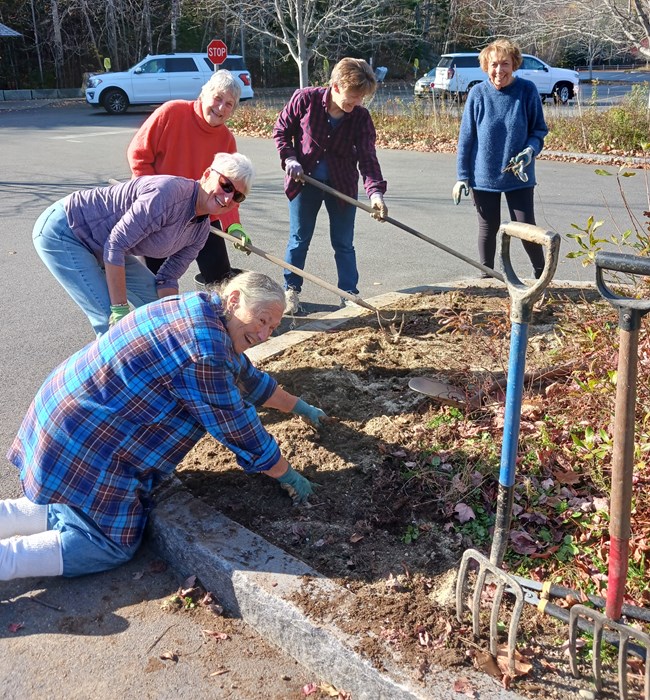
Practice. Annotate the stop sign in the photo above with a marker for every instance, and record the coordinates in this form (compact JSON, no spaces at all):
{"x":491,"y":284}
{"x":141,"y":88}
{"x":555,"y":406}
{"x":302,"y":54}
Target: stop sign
{"x":217,"y":51}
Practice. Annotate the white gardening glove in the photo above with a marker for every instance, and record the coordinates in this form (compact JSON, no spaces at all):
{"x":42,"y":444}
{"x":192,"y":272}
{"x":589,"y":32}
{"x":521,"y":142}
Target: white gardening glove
{"x":293,"y":169}
{"x":460,"y":188}
{"x":379,"y":208}
{"x":525,"y":157}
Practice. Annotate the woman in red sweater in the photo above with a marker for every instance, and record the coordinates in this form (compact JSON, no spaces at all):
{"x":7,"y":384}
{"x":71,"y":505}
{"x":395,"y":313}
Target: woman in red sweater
{"x":181,"y":138}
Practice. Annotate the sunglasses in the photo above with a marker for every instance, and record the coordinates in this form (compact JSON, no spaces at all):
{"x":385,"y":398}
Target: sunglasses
{"x":227,"y":186}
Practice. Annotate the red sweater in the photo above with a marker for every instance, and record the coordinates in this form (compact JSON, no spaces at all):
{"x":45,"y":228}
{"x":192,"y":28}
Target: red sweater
{"x":176,"y":140}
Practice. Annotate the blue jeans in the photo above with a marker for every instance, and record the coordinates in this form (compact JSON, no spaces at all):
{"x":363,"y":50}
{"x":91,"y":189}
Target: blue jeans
{"x":303,"y":211}
{"x":79,"y":271}
{"x":85,"y":548}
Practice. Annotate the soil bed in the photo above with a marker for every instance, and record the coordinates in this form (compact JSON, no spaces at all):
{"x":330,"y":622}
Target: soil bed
{"x":390,"y":520}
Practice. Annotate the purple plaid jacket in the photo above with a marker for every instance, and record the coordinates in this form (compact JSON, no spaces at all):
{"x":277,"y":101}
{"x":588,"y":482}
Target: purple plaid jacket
{"x":303,"y":131}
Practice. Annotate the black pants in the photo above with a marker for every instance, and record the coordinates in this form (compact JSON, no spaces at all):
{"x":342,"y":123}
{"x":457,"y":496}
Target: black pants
{"x":521,"y":207}
{"x":213,"y":261}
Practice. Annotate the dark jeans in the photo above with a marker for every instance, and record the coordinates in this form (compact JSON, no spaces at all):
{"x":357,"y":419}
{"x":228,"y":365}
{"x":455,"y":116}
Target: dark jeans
{"x":213,"y":260}
{"x":521,"y":207}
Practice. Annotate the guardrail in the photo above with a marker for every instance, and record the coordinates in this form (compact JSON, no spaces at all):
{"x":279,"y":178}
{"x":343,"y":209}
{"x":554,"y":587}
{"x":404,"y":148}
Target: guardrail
{"x":618,"y":66}
{"x":54,"y":94}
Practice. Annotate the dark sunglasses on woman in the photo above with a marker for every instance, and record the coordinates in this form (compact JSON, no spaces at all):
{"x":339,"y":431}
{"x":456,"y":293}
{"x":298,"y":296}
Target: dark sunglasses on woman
{"x":226,"y":185}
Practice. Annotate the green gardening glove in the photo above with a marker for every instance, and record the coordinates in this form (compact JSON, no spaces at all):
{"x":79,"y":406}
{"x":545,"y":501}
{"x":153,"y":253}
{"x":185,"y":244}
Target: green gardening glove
{"x":296,"y":485}
{"x":238,"y":230}
{"x":118,"y":312}
{"x":310,"y":413}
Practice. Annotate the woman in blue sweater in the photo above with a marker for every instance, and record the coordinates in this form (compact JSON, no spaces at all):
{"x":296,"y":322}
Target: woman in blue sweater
{"x":501,"y":132}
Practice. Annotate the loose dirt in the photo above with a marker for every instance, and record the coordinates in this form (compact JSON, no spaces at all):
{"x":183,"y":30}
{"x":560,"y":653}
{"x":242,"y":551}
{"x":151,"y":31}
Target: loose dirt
{"x":385,"y":522}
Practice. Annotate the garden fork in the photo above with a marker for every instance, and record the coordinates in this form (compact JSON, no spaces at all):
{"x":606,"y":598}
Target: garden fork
{"x":630,"y":313}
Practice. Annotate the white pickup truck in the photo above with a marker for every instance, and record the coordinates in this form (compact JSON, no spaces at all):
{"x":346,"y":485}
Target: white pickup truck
{"x":457,"y":73}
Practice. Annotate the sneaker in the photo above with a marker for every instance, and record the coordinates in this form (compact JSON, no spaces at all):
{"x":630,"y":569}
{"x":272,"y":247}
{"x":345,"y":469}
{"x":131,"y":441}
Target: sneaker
{"x":347,"y":303}
{"x":199,"y":282}
{"x":292,"y":302}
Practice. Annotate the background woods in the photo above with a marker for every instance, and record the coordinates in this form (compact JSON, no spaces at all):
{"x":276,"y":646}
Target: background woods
{"x":290,"y":42}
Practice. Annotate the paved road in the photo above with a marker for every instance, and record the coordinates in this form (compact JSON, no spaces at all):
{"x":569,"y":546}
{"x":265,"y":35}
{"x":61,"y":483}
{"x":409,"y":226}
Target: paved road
{"x":50,"y":151}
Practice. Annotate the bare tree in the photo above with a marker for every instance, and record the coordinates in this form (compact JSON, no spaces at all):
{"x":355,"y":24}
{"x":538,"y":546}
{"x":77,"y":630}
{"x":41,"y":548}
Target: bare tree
{"x":307,"y":27}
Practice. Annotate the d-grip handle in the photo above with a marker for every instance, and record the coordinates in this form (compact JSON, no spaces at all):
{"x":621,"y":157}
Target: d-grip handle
{"x":523,"y":297}
{"x":628,"y":264}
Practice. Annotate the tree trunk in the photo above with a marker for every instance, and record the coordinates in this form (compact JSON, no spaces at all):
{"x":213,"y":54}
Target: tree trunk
{"x":37,"y":43}
{"x":58,"y":43}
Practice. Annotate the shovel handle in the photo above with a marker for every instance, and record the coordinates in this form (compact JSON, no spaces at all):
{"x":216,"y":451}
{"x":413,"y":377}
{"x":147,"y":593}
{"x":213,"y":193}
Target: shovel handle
{"x":523,"y":296}
{"x":629,"y":265}
{"x":367,"y":208}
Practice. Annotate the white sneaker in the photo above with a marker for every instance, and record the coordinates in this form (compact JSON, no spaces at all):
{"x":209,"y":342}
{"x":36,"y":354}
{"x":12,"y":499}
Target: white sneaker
{"x":292,"y":302}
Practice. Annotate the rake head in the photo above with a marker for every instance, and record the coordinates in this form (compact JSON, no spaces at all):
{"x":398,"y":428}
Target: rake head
{"x":489,"y":573}
{"x":622,"y":634}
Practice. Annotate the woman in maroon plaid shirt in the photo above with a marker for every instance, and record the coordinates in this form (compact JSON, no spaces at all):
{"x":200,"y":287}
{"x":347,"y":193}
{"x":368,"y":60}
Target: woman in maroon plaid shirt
{"x":328,"y":134}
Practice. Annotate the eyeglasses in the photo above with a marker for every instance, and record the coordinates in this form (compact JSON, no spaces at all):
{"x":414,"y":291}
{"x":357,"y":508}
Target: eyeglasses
{"x":227,"y":186}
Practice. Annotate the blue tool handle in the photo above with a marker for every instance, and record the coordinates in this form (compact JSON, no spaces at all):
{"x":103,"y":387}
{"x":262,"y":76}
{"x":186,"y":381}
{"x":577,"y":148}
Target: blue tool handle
{"x":523,"y":296}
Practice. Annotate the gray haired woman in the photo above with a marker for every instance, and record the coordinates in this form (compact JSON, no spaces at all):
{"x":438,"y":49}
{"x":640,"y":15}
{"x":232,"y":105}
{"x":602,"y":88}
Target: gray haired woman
{"x":118,"y":416}
{"x":90,"y":239}
{"x":180,"y":138}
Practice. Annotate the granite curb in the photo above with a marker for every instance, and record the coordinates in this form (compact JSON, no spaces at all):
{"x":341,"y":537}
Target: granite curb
{"x":258,"y":582}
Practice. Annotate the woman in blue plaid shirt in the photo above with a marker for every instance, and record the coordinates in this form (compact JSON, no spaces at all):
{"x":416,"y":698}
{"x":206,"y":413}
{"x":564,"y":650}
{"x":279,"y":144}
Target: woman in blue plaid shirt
{"x":118,"y":416}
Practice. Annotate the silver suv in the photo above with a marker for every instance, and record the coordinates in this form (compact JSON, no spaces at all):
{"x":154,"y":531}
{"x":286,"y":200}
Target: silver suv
{"x":156,"y":79}
{"x":457,"y":73}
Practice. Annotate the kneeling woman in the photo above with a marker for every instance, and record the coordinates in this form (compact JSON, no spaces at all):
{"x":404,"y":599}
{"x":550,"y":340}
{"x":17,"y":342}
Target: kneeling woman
{"x":118,"y":416}
{"x":90,"y":239}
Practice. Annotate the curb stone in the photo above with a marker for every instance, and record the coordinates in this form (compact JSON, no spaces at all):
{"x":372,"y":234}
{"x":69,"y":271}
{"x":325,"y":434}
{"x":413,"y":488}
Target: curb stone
{"x":256,"y":580}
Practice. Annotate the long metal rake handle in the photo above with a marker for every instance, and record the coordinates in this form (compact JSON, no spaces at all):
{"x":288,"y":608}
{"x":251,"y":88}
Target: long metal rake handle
{"x":355,"y":202}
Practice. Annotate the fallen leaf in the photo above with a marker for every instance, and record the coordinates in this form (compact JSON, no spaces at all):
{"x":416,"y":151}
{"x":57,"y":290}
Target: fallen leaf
{"x":463,"y":685}
{"x":158,"y":566}
{"x":169,"y":656}
{"x":567,"y":477}
{"x":309,"y":689}
{"x":464,"y":513}
{"x":522,"y":667}
{"x":138,"y":575}
{"x":190,"y":582}
{"x":355,"y":537}
{"x":328,"y":689}
{"x":215,"y":635}
{"x":15,"y":626}
{"x":485,"y":662}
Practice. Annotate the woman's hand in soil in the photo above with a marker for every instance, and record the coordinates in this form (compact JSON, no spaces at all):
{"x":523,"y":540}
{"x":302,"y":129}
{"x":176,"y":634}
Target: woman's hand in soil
{"x":296,"y":485}
{"x":310,"y":413}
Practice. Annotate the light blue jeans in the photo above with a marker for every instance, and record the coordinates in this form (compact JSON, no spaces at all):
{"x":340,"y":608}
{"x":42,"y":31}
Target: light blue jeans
{"x":303,"y":211}
{"x":79,"y":271}
{"x":85,"y":548}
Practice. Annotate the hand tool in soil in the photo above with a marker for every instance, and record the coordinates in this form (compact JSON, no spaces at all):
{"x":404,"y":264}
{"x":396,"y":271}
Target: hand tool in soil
{"x":452,"y":395}
{"x":630,"y":313}
{"x":367,"y":208}
{"x":522,"y":299}
{"x":250,"y":248}
{"x":624,"y":633}
{"x":394,"y":331}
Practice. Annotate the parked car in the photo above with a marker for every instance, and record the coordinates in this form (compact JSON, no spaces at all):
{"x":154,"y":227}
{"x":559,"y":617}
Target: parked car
{"x":457,"y":73}
{"x":424,"y":85}
{"x":159,"y":78}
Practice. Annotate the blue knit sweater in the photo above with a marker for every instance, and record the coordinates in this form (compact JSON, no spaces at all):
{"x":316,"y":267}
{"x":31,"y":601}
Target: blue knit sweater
{"x":497,"y":125}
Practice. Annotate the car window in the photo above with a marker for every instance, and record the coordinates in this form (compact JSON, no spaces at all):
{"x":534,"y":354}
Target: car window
{"x":445,"y":62}
{"x":181,"y":65}
{"x":531,"y":63}
{"x":467,"y":62}
{"x":228,"y":64}
{"x":156,"y":65}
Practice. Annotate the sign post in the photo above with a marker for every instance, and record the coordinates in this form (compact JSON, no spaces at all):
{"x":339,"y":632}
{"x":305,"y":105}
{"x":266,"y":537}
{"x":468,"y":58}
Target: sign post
{"x":217,"y":52}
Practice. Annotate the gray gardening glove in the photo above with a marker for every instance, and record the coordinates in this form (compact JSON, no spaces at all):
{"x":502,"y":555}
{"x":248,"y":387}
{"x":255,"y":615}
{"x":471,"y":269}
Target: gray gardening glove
{"x":293,"y":169}
{"x":460,"y":188}
{"x":525,"y":157}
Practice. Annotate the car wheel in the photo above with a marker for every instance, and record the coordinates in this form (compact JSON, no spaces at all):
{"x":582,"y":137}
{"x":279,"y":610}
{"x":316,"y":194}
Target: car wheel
{"x":115,"y":102}
{"x":562,"y":93}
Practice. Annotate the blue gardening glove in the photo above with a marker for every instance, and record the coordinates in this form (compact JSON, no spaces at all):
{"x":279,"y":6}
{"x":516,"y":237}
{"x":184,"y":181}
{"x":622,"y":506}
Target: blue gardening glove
{"x":525,"y":157}
{"x":310,"y":413}
{"x":238,"y":230}
{"x":293,"y":169}
{"x":460,"y":188}
{"x":118,"y":312}
{"x":379,"y":208}
{"x":296,"y":485}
